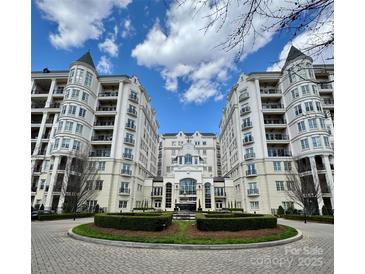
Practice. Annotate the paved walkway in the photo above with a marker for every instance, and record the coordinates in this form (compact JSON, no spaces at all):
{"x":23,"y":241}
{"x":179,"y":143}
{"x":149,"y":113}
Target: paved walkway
{"x":54,"y":252}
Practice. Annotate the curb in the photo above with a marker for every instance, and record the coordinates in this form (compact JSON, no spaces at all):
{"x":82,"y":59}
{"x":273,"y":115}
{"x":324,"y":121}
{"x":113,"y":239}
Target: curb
{"x":184,"y":246}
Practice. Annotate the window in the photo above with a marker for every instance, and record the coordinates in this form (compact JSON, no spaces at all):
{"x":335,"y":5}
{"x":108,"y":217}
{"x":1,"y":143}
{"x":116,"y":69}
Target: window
{"x":304,"y":143}
{"x":69,"y":125}
{"x":101,"y":166}
{"x":187,"y":186}
{"x":168,"y":195}
{"x":207,"y":191}
{"x":318,"y":106}
{"x":298,"y":110}
{"x":280,"y":185}
{"x":75,"y":93}
{"x":247,"y":137}
{"x":251,"y":169}
{"x":82,"y":112}
{"x":157,"y":203}
{"x":60,"y":124}
{"x":301,"y":126}
{"x":254,"y":205}
{"x":326,"y":141}
{"x":314,"y":89}
{"x":124,"y":187}
{"x":88,"y":79}
{"x":79,"y":128}
{"x":277,"y":166}
{"x":188,"y":159}
{"x":287,"y":166}
{"x":287,"y":205}
{"x":85,"y":96}
{"x":72,"y":110}
{"x":65,"y":143}
{"x":309,"y":106}
{"x":89,"y":185}
{"x":312,"y":123}
{"x":71,"y":75}
{"x":56,"y":144}
{"x":79,"y":76}
{"x":295,"y":93}
{"x":316,"y":142}
{"x":204,"y":143}
{"x":305,"y":90}
{"x":64,"y":109}
{"x":322,"y":123}
{"x":98,"y":185}
{"x":76,"y":145}
{"x":126,"y":168}
{"x":123,"y":204}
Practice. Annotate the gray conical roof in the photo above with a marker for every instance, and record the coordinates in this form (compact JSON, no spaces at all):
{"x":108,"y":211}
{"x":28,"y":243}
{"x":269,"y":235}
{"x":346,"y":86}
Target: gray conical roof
{"x":293,"y":54}
{"x":86,"y":58}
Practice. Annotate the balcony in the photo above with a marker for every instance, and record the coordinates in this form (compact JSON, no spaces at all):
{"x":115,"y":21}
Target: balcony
{"x":273,"y":108}
{"x":252,"y":192}
{"x":270,"y":92}
{"x":129,"y":141}
{"x":251,"y":173}
{"x":245,"y":110}
{"x":156,"y":194}
{"x":277,"y":138}
{"x":106,"y":110}
{"x":55,"y":105}
{"x":104,"y":124}
{"x":243,"y":96}
{"x":130,"y":126}
{"x":133,"y":98}
{"x":127,"y":172}
{"x":124,"y":191}
{"x":100,"y":153}
{"x":248,"y":140}
{"x":249,"y":156}
{"x":220,"y":194}
{"x":38,"y":105}
{"x":328,"y":103}
{"x":127,"y":156}
{"x":279,"y":153}
{"x":34,"y":189}
{"x":275,"y":123}
{"x":246,"y":125}
{"x":39,"y":94}
{"x":326,"y":86}
{"x":132,"y":112}
{"x":58,"y":91}
{"x":108,"y":94}
{"x":102,"y":138}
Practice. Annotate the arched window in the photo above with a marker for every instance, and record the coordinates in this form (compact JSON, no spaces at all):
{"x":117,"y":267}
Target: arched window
{"x":208,"y":198}
{"x":187,"y":187}
{"x":168,"y":195}
{"x":188,"y":159}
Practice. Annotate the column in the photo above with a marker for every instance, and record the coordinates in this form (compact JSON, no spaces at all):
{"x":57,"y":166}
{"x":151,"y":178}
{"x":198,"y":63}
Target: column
{"x":50,"y":93}
{"x":42,"y":128}
{"x":329,"y":178}
{"x":52,"y":182}
{"x":64,"y":185}
{"x":316,"y":183}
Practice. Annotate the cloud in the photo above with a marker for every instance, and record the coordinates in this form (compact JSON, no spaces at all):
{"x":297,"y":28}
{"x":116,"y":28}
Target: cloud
{"x":128,"y":28}
{"x":109,"y":46}
{"x":182,"y":51}
{"x":104,"y":65}
{"x":77,"y":21}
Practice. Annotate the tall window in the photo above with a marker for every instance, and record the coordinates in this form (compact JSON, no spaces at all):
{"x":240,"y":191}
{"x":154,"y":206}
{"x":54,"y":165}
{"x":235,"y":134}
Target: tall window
{"x":71,"y":76}
{"x":254,"y":205}
{"x":318,"y":106}
{"x":316,"y":141}
{"x":208,"y":198}
{"x":280,"y":186}
{"x":85,"y":96}
{"x":326,"y":141}
{"x":69,"y":126}
{"x":82,"y":112}
{"x":304,"y":143}
{"x":168,"y":195}
{"x":79,"y":76}
{"x":65,"y":143}
{"x":98,"y":185}
{"x":123,"y":204}
{"x":301,"y":126}
{"x":295,"y":93}
{"x":76,"y":145}
{"x":298,"y":110}
{"x":75,"y":93}
{"x":79,"y":128}
{"x":305,"y":90}
{"x":188,"y":159}
{"x":72,"y":110}
{"x":187,"y":187}
{"x":88,"y":79}
{"x":309,"y":106}
{"x":312,"y":123}
{"x":277,"y":165}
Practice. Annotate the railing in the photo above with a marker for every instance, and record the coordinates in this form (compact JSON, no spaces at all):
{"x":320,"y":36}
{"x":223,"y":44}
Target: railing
{"x":270,"y":91}
{"x":130,"y":126}
{"x":132,"y":112}
{"x":126,"y":171}
{"x":272,"y":106}
{"x":248,"y":140}
{"x":245,"y":110}
{"x":253,"y":191}
{"x":38,"y":105}
{"x":124,"y":190}
{"x":279,"y":153}
{"x":49,"y":120}
{"x":102,"y":138}
{"x":325,"y":85}
{"x":129,"y":141}
{"x":38,"y":169}
{"x":246,"y":125}
{"x":104,"y":153}
{"x":39,"y":92}
{"x":55,"y":105}
{"x":108,"y":94}
{"x":104,"y":123}
{"x":328,"y":101}
{"x":275,"y":122}
{"x":58,"y":90}
{"x":34,"y":136}
{"x":249,"y":156}
{"x":114,"y":108}
{"x":251,"y":172}
{"x":133,"y":98}
{"x":278,"y":137}
{"x":243,"y":96}
{"x":220,"y":194}
{"x":156,"y":194}
{"x":127,"y":156}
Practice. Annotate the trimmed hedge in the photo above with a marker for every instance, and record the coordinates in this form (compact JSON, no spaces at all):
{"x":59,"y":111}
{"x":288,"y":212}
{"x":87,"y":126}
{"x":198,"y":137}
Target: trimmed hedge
{"x":49,"y":217}
{"x":233,"y":209}
{"x":232,"y":215}
{"x":316,"y":218}
{"x":134,"y":221}
{"x":235,"y":223}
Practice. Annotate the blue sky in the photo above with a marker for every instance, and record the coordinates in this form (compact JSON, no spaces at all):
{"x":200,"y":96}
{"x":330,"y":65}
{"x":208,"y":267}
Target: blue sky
{"x":187,"y":77}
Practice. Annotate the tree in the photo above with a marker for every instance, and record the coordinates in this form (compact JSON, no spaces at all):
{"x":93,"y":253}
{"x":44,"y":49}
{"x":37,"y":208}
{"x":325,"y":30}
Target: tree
{"x":302,"y":190}
{"x":251,"y":19}
{"x":280,"y":210}
{"x":80,"y":186}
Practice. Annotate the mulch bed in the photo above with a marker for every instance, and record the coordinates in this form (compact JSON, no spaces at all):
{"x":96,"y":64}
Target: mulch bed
{"x":192,"y":232}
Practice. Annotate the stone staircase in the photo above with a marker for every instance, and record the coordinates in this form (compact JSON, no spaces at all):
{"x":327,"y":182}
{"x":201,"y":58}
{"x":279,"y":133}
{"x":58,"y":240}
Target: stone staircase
{"x":183,"y":215}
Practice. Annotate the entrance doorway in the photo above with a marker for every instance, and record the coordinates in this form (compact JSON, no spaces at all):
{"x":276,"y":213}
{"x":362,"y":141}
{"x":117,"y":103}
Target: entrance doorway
{"x":187,"y":206}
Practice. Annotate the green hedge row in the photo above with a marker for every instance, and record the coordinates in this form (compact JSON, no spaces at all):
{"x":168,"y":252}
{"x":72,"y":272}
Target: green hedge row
{"x":134,"y":221}
{"x":316,"y":218}
{"x":135,"y":214}
{"x":232,"y":215}
{"x":233,"y":209}
{"x":235,"y":223}
{"x":143,"y":208}
{"x":48,"y":217}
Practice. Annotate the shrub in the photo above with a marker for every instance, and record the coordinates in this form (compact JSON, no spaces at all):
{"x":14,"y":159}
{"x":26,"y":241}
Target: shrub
{"x":143,"y":208}
{"x":235,"y":222}
{"x":134,"y":221}
{"x":280,"y":210}
{"x":49,"y":217}
{"x":316,"y":218}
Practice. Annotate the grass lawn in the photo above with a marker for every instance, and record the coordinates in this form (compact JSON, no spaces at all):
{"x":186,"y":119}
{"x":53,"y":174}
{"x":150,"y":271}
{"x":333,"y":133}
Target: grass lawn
{"x":185,"y":232}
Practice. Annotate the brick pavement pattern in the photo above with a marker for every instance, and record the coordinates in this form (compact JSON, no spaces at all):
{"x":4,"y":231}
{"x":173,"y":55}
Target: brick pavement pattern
{"x":55,"y":252}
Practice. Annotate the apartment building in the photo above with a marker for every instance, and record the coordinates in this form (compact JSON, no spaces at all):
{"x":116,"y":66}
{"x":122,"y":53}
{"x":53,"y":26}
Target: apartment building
{"x":110,"y":118}
{"x":275,"y":119}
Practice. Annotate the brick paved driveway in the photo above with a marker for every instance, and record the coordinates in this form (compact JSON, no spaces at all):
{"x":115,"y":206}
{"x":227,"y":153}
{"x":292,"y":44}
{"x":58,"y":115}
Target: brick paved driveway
{"x":54,"y":252}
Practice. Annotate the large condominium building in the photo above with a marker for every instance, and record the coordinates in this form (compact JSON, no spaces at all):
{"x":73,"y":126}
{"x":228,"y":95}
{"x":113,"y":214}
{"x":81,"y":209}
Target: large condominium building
{"x":273,"y":119}
{"x":108,"y":117}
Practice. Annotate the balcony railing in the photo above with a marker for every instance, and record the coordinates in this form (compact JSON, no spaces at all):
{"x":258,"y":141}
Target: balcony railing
{"x":40,"y":92}
{"x":133,"y":98}
{"x":58,"y":90}
{"x":272,"y":106}
{"x":130,"y":126}
{"x":220,"y":194}
{"x":127,"y":156}
{"x":132,"y":112}
{"x":126,"y":172}
{"x":248,"y":140}
{"x":252,"y":191}
{"x":244,"y":96}
{"x":153,"y":194}
{"x":279,"y":153}
{"x":101,"y":153}
{"x":270,"y":91}
{"x":34,"y":189}
{"x":328,"y":101}
{"x":104,"y":123}
{"x":102,"y":138}
{"x":55,"y":105}
{"x":129,"y":141}
{"x":251,"y":172}
{"x":274,"y":121}
{"x":38,"y":105}
{"x":108,"y":94}
{"x":245,"y":110}
{"x":325,"y":86}
{"x":249,"y":156}
{"x":278,"y":137}
{"x":246,"y":125}
{"x":124,"y":191}
{"x":114,"y":108}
